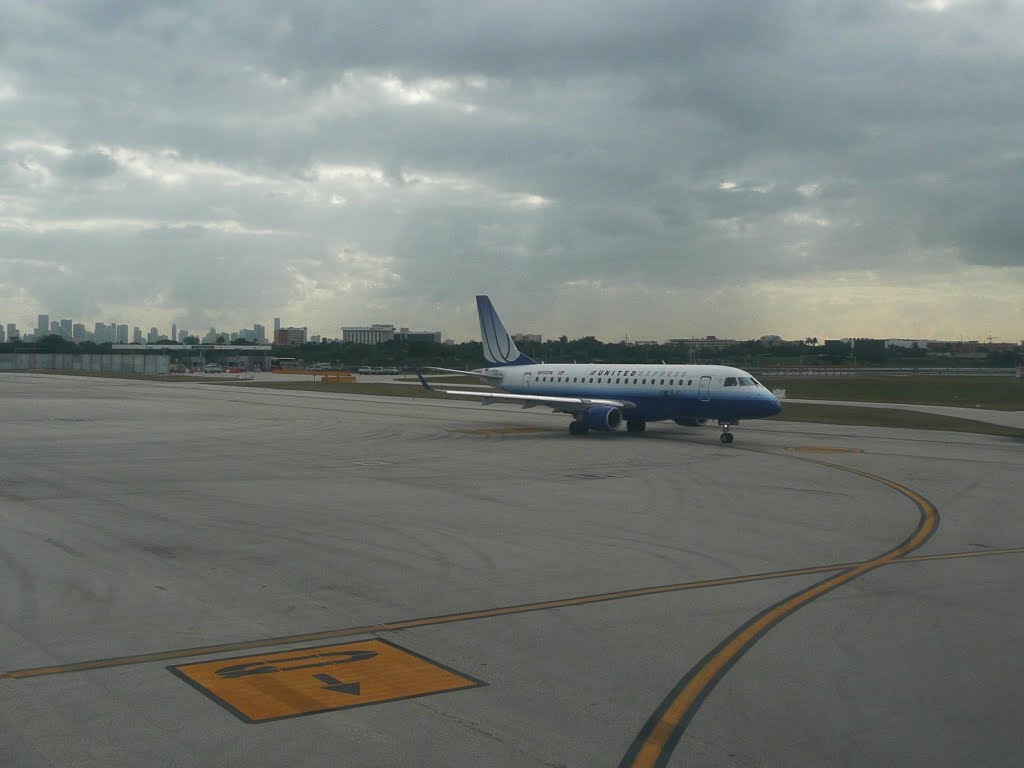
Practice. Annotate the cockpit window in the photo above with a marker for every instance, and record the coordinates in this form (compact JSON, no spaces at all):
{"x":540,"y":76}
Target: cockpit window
{"x":730,"y":381}
{"x":746,"y":382}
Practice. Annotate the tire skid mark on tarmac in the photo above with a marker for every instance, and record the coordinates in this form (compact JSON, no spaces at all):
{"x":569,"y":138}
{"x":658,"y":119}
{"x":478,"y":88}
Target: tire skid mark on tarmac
{"x":653,"y":745}
{"x":451,"y":618}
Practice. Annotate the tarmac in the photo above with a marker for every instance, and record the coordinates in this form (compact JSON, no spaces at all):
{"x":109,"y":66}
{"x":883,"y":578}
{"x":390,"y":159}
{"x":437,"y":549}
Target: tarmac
{"x":195,"y":575}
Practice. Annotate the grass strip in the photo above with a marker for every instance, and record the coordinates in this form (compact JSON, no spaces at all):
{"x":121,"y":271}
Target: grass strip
{"x":851,"y":415}
{"x":1004,"y":393}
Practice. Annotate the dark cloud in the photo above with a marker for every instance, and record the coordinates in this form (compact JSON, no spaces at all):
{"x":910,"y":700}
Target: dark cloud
{"x":223,"y":163}
{"x":87,"y":165}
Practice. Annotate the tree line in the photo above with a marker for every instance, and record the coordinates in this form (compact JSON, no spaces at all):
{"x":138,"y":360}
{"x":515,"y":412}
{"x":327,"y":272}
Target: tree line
{"x":755,"y":353}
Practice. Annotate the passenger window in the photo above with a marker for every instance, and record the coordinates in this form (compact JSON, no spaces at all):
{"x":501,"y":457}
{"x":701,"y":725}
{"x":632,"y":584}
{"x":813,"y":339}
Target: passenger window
{"x":591,"y":379}
{"x":671,"y":382}
{"x":689,"y":383}
{"x":617,"y":381}
{"x":662,"y":381}
{"x":634,"y":381}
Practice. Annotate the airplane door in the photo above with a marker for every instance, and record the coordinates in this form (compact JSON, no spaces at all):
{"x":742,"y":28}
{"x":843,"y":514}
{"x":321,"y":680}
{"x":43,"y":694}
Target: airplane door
{"x":704,"y":391}
{"x":526,"y":380}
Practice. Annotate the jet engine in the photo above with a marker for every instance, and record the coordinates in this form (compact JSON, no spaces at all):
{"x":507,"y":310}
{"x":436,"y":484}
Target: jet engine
{"x":603,"y":418}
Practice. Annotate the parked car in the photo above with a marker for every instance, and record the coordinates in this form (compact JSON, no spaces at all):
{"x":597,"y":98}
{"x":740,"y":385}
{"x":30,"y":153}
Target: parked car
{"x":213,"y":368}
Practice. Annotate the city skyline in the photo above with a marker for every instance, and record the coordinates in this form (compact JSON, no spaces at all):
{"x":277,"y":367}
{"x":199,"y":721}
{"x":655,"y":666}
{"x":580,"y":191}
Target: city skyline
{"x":662,"y":169}
{"x":116,"y":332}
{"x":257,"y":333}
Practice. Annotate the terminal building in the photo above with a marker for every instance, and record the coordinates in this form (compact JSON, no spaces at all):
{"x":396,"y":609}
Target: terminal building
{"x":381,"y":332}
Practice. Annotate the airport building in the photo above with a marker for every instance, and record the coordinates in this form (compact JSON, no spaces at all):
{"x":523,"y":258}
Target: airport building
{"x":373,"y":334}
{"x":406,"y":335}
{"x":708,"y":342}
{"x":381,"y":332}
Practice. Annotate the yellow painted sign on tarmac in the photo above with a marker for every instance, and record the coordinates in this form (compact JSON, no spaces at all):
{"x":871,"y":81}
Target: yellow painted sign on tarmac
{"x":272,"y":686}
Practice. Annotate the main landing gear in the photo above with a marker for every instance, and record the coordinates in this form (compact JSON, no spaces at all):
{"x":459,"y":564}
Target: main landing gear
{"x":578,"y":428}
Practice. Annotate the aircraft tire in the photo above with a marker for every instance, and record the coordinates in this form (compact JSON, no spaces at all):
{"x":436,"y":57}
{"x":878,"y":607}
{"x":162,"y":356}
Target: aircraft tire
{"x":636,"y":425}
{"x":575,"y":428}
{"x":727,"y":437}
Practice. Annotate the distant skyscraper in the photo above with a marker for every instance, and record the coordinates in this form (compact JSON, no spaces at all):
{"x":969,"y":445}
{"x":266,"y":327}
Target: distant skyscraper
{"x":122,"y":333}
{"x":174,"y":331}
{"x":65,"y":329}
{"x":43,"y":326}
{"x":12,"y":332}
{"x":289,"y":336}
{"x":54,"y":328}
{"x":78,"y":332}
{"x":277,"y":326}
{"x":3,"y":336}
{"x":260,"y":333}
{"x":136,"y":335}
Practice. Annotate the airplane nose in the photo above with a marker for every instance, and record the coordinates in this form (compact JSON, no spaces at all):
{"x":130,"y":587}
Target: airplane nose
{"x":772,"y":405}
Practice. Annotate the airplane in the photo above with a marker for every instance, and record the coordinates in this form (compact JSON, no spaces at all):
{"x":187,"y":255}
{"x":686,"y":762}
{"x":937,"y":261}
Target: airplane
{"x":601,"y":396}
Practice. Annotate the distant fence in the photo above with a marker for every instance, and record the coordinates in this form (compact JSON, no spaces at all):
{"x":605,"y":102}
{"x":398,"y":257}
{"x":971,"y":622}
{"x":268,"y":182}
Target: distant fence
{"x":863,"y":371}
{"x":65,"y":361}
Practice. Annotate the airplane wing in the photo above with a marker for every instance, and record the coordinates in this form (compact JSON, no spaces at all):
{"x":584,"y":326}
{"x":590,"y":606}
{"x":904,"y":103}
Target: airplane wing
{"x":479,"y":375}
{"x":558,"y":404}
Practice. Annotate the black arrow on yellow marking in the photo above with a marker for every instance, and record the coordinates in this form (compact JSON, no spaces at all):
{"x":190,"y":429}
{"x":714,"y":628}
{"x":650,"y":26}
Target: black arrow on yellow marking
{"x":337,"y":685}
{"x":278,"y":665}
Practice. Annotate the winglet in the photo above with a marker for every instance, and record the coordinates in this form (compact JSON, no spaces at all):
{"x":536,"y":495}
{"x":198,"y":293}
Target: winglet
{"x":423,"y":381}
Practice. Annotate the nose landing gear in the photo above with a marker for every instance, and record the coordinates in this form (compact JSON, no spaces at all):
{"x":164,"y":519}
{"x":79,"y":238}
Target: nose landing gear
{"x":727,"y":436}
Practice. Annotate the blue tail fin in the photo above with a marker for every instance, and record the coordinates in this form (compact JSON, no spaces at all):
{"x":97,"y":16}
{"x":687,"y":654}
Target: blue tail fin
{"x":499,"y":349}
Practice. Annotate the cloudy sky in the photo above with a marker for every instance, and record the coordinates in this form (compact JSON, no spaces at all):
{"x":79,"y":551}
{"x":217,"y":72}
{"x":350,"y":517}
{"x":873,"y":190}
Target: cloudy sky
{"x":650,"y":168}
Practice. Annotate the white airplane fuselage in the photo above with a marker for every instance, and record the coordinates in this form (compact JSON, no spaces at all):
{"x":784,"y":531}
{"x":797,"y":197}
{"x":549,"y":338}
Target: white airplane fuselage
{"x":601,"y":396}
{"x":657,"y":392}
